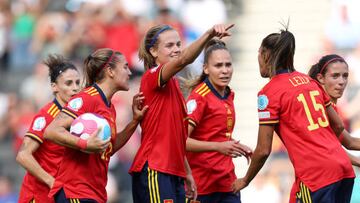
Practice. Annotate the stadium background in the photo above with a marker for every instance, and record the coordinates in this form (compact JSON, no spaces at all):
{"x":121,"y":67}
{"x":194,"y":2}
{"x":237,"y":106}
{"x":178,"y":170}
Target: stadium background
{"x":31,"y":29}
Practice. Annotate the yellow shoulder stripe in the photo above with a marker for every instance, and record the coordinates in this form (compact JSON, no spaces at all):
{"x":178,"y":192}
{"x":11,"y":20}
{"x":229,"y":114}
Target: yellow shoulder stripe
{"x":192,"y":122}
{"x":51,"y":108}
{"x":200,"y":88}
{"x":90,"y":89}
{"x":206,"y":92}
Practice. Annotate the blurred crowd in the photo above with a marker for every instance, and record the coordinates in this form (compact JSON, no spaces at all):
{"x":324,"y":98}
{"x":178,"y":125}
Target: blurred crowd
{"x":31,"y":29}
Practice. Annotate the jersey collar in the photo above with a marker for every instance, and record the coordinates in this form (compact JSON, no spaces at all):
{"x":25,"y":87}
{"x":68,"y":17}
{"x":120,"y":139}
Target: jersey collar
{"x":281,"y":71}
{"x":56,"y":102}
{"x":108,"y":103}
{"x":211,"y":87}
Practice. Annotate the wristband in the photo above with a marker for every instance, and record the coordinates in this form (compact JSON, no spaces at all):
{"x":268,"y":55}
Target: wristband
{"x":82,"y":144}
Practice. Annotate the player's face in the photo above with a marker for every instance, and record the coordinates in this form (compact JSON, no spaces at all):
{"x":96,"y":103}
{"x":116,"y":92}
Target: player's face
{"x":121,"y":74}
{"x":66,"y":85}
{"x":219,"y":69}
{"x":335,"y":79}
{"x":262,"y":58}
{"x":169,"y":47}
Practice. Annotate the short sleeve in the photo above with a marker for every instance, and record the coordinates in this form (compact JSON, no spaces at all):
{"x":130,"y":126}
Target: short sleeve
{"x":268,"y":108}
{"x":37,"y":128}
{"x":152,"y":77}
{"x":195,"y":105}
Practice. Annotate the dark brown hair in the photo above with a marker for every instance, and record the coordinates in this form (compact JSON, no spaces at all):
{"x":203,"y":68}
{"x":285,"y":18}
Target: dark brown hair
{"x":323,"y":63}
{"x":281,"y":49}
{"x":57,"y":64}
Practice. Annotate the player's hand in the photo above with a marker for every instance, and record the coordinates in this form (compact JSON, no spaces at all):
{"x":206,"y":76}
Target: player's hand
{"x":138,"y":107}
{"x":220,"y":30}
{"x":244,"y":151}
{"x":190,"y":187}
{"x":238,"y":185}
{"x":233,"y":148}
{"x":95,"y":144}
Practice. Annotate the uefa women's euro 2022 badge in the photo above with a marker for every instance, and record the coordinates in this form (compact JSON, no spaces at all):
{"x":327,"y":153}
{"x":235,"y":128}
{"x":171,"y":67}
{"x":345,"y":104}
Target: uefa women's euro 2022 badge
{"x":191,"y":106}
{"x":39,"y":124}
{"x":75,"y":104}
{"x":263,"y":102}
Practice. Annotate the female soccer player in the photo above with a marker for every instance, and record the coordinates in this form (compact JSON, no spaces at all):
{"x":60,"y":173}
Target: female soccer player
{"x":211,"y":116}
{"x":82,"y":177}
{"x":332,"y":73}
{"x":298,"y":109}
{"x":158,"y":170}
{"x":38,"y":156}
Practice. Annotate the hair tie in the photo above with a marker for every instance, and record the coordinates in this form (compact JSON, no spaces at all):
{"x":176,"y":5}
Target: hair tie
{"x":330,"y":61}
{"x":154,"y":39}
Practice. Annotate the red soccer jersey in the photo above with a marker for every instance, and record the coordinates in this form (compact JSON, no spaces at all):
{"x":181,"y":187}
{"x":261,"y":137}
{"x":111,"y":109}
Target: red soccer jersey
{"x":296,"y":104}
{"x":164,"y":128}
{"x":213,"y":117}
{"x":48,"y":155}
{"x":83,"y":175}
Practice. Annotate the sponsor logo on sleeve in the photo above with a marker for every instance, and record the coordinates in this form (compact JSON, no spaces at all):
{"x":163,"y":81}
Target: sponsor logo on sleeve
{"x":191,"y":106}
{"x":263,"y":102}
{"x":39,"y":124}
{"x":75,"y":104}
{"x":264,"y":114}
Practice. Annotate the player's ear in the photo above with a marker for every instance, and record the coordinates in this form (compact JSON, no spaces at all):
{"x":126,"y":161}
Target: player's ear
{"x":110,"y":72}
{"x":206,"y":69}
{"x":54,"y":87}
{"x":320,"y":78}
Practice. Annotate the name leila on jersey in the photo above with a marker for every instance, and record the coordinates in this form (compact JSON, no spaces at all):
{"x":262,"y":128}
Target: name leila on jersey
{"x":299,"y":80}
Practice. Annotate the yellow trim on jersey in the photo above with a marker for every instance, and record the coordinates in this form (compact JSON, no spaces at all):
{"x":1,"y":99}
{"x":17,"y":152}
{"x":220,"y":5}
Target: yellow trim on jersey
{"x":327,"y":104}
{"x":90,"y":89}
{"x":69,"y":113}
{"x":52,"y":112}
{"x":56,"y":113}
{"x":200,"y":88}
{"x":206,"y":88}
{"x":205,"y":93}
{"x":93,"y":94}
{"x":153,"y":185}
{"x":269,"y":122}
{"x":191,"y":122}
{"x":34,"y":137}
{"x":51,"y":108}
{"x":159,"y":75}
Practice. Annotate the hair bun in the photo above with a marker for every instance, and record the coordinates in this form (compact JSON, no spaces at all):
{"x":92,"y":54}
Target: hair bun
{"x":215,"y":42}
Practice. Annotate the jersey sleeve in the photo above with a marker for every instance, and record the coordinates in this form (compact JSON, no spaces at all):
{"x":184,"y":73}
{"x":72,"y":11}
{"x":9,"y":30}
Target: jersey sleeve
{"x":38,"y":126}
{"x":195,"y":105}
{"x":153,"y":77}
{"x":268,"y":108}
{"x":79,"y":104}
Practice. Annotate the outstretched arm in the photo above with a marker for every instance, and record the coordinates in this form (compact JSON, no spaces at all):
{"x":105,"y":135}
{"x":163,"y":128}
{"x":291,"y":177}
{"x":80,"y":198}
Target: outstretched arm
{"x":26,"y":159}
{"x":259,"y":157}
{"x":189,"y":54}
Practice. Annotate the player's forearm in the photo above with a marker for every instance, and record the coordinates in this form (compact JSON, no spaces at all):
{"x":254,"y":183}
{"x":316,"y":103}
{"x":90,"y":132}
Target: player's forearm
{"x":28,"y":161}
{"x":350,"y":142}
{"x":194,"y":145}
{"x":124,"y":136}
{"x":61,"y":136}
{"x":187,"y":166}
{"x":258,"y":160}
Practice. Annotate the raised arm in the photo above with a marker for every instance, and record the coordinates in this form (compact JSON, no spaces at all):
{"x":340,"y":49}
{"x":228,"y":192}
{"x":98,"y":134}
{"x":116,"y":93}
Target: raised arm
{"x":56,"y":132}
{"x":189,"y":54}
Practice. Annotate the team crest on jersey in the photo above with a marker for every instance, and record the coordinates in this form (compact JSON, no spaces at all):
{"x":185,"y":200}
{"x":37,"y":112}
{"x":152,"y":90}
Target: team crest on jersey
{"x":75,"y":104}
{"x":168,"y":201}
{"x":263,"y":102}
{"x":39,"y":124}
{"x":191,"y":106}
